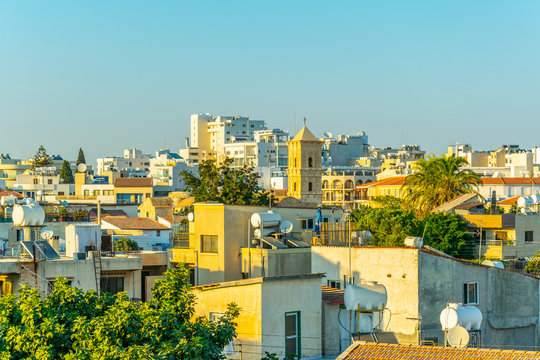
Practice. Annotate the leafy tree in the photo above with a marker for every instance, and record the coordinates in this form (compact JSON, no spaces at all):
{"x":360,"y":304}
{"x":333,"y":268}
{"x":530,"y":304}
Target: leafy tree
{"x":388,"y":225}
{"x":41,"y":158}
{"x":448,"y":233}
{"x":436,"y":180}
{"x":388,"y":201}
{"x":125,"y":244}
{"x":225,"y":184}
{"x":533,"y":265}
{"x":80,"y":158}
{"x":72,"y":324}
{"x":66,"y":174}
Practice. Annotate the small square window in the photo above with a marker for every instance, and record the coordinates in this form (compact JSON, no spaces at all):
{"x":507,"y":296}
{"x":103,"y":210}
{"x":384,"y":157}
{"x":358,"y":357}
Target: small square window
{"x":528,"y":236}
{"x":470,"y":293}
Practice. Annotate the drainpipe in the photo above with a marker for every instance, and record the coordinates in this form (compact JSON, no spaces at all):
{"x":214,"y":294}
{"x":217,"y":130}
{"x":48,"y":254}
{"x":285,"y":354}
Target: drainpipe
{"x":99,"y":212}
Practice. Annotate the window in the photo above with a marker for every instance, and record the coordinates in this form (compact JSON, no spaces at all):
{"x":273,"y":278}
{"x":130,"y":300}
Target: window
{"x":86,"y":192}
{"x":292,"y":333}
{"x":97,"y":192}
{"x":158,"y":233}
{"x":214,"y":316}
{"x":36,"y":181}
{"x":529,"y":236}
{"x":294,"y":162}
{"x":336,"y":284}
{"x":501,"y":235}
{"x":49,"y":181}
{"x":470,"y":293}
{"x":112,"y":285}
{"x":60,"y":193}
{"x":307,"y":224}
{"x":310,"y":187}
{"x":310,"y":162}
{"x":209,"y":243}
{"x":348,"y":279}
{"x":294,"y":187}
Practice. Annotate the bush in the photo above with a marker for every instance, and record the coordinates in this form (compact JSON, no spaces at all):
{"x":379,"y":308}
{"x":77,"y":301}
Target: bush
{"x":125,"y":244}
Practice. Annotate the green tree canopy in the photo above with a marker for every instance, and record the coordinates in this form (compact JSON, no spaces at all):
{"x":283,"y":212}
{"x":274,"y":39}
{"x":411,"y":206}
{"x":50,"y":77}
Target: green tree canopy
{"x":225,"y":184}
{"x":80,"y":157}
{"x":390,"y":224}
{"x":436,"y":180}
{"x":125,"y":244}
{"x":72,"y":324}
{"x":66,"y":174}
{"x":448,"y":233}
{"x":41,"y":158}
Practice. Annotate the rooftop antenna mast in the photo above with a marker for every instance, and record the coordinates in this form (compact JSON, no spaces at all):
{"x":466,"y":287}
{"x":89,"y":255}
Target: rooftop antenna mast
{"x":304,"y":121}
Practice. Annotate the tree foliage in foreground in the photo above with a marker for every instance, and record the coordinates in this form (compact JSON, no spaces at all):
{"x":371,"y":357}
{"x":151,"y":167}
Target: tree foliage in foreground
{"x":73,"y":324}
{"x":533,"y":265}
{"x":390,"y":224}
{"x":225,"y":184}
{"x":436,"y":180}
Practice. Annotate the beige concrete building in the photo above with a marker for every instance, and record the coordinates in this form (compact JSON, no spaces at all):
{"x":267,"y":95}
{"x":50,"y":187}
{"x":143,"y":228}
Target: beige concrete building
{"x":155,"y":207}
{"x":305,"y":168}
{"x":338,"y":185}
{"x":420,"y":284}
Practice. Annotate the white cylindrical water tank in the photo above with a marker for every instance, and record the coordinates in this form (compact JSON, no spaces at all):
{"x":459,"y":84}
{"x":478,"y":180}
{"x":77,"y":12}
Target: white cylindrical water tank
{"x":28,"y":215}
{"x":369,"y":296}
{"x":270,"y":218}
{"x":266,"y":232}
{"x":412,"y":241}
{"x":469,"y":317}
{"x":525,"y":201}
{"x":496,"y":264}
{"x":9,"y":200}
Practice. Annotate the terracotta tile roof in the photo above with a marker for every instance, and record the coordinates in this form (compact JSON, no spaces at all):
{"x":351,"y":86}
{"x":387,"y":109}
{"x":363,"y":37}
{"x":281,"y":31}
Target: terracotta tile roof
{"x":392,"y":181}
{"x":161,"y":201}
{"x":5,"y":192}
{"x":133,"y":182}
{"x":127,"y":223}
{"x":368,"y":350}
{"x":510,"y":181}
{"x":92,"y":214}
{"x":509,"y":201}
{"x":455,"y":202}
{"x":333,"y":296}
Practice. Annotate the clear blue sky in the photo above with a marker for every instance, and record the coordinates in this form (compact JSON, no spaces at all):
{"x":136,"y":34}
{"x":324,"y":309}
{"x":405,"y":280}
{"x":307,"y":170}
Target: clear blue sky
{"x":107,"y":75}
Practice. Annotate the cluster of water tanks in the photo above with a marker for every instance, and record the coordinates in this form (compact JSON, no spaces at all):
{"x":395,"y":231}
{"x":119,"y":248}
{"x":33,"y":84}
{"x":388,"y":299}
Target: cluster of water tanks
{"x":528,"y":201}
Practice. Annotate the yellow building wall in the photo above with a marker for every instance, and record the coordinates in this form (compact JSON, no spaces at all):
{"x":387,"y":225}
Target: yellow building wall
{"x":249,"y":299}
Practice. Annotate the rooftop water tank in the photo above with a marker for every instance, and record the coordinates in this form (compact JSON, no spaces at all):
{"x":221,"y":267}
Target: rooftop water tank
{"x":267,"y":219}
{"x":369,"y":296}
{"x":469,"y":317}
{"x":525,"y":201}
{"x":28,"y":215}
{"x":496,"y":264}
{"x":412,"y":241}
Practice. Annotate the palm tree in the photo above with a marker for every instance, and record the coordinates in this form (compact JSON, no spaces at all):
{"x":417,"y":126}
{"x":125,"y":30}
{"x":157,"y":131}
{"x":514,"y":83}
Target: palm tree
{"x":436,"y":180}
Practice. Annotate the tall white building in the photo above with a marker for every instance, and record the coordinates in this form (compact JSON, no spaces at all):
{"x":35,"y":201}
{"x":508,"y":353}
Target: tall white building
{"x":209,"y":135}
{"x":132,"y":161}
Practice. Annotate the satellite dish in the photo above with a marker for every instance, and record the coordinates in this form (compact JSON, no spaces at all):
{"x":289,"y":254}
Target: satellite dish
{"x":286,"y":226}
{"x":458,"y":337}
{"x":81,"y":167}
{"x":28,"y":201}
{"x":47,"y":233}
{"x":191,"y":217}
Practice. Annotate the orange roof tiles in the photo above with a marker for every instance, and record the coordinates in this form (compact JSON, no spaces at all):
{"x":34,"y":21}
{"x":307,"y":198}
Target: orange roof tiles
{"x":133,"y":182}
{"x":392,"y":181}
{"x":509,"y":201}
{"x":367,"y":350}
{"x":5,"y":192}
{"x":127,"y":223}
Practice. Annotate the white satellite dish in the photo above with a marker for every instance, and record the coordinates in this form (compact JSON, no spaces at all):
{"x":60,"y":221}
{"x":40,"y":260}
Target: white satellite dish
{"x":286,"y":226}
{"x":47,"y":233}
{"x":458,"y":337}
{"x":81,"y":167}
{"x":191,"y":217}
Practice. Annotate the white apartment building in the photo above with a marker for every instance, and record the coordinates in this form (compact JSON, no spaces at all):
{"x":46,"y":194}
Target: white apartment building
{"x":132,"y":161}
{"x":344,"y":150}
{"x":42,"y":185}
{"x":165,"y":170}
{"x":209,"y":135}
